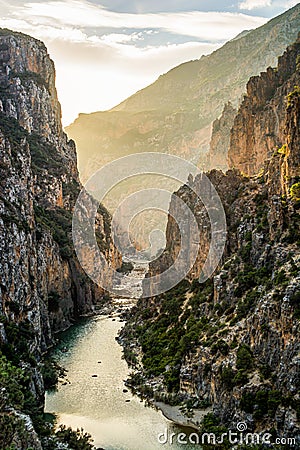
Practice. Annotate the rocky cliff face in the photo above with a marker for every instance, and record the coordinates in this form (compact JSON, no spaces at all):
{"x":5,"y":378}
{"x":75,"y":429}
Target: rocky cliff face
{"x":233,"y":343}
{"x":42,"y":286}
{"x":259,"y":126}
{"x":175,"y":114}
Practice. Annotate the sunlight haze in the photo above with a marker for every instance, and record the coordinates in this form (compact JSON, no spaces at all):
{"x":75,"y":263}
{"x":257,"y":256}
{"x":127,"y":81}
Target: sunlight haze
{"x":105,"y":51}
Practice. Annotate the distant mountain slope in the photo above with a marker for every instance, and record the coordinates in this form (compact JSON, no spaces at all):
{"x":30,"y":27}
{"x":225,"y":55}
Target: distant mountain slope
{"x":175,"y":113}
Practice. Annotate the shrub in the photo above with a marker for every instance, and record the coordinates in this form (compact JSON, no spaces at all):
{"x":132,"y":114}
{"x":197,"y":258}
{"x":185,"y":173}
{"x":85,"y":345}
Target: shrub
{"x":247,"y":402}
{"x":261,"y":404}
{"x":274,"y":400}
{"x":49,"y":372}
{"x":295,"y":302}
{"x":220,"y":346}
{"x":244,"y":358}
{"x":11,"y":380}
{"x":293,"y":95}
{"x":248,"y":304}
{"x":77,"y":440}
{"x":10,"y":427}
{"x":30,"y":76}
{"x":227,"y":376}
{"x":295,"y":191}
{"x":280,"y":278}
{"x":241,"y":378}
{"x":11,"y":129}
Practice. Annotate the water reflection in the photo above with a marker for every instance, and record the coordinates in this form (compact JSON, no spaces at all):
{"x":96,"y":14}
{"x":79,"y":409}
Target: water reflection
{"x":95,"y":396}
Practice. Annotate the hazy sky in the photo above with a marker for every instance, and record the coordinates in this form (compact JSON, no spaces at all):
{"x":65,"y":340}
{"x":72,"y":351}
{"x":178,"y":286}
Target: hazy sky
{"x":105,"y":50}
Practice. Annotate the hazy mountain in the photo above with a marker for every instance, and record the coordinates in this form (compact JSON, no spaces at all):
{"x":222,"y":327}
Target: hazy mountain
{"x":175,"y":113}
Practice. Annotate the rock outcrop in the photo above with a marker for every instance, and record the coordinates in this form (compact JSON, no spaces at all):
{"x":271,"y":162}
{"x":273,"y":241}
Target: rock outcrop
{"x":42,"y":286}
{"x":259,"y":127}
{"x":220,"y":139}
{"x":233,"y":342}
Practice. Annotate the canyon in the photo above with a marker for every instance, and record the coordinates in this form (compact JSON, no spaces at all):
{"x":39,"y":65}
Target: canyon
{"x":229,"y":345}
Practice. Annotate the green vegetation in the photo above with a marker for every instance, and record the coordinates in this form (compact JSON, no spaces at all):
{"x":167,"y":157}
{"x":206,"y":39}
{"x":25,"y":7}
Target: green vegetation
{"x":172,"y":331}
{"x":251,"y":277}
{"x":44,"y":156}
{"x":12,"y":216}
{"x":50,"y":372}
{"x":292,"y":96}
{"x":18,"y":336}
{"x":211,"y":424}
{"x":295,"y":192}
{"x":12,"y":130}
{"x":10,"y":426}
{"x":247,"y":304}
{"x":293,"y":235}
{"x":227,"y":377}
{"x":77,"y":440}
{"x":280,"y":278}
{"x":71,"y":190}
{"x":263,"y":402}
{"x":11,"y":381}
{"x":244,"y":358}
{"x":283,"y":150}
{"x":28,"y":76}
{"x":59,"y":222}
{"x":295,"y":302}
{"x":16,"y":393}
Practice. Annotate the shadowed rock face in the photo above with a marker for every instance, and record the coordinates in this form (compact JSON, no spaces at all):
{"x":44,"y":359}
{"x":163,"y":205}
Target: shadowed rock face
{"x":175,"y":114}
{"x":220,"y":139}
{"x":42,"y":286}
{"x":235,"y":339}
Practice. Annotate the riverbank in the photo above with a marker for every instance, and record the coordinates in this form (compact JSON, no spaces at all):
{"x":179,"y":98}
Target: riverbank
{"x":176,"y":416}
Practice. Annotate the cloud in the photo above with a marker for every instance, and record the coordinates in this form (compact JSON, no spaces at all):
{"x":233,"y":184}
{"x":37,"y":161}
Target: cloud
{"x":254,"y":4}
{"x":209,"y":26}
{"x":291,"y":3}
{"x":102,"y":56}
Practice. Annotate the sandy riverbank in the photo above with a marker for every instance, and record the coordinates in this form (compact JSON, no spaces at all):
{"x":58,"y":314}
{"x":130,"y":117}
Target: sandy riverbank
{"x":174,"y":414}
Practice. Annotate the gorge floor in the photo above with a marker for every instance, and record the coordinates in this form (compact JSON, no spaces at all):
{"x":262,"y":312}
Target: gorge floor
{"x":94,"y":396}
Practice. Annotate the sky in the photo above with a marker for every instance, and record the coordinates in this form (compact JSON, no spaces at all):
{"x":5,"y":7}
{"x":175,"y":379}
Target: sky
{"x":106,"y":50}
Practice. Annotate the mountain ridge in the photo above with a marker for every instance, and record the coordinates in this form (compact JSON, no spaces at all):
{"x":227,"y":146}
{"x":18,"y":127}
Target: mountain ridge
{"x":175,"y":113}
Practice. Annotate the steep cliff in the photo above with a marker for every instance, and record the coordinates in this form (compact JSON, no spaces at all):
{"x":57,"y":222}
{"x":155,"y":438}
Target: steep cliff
{"x":233,"y":342}
{"x":259,"y":126}
{"x":42,"y":286}
{"x":175,"y":114}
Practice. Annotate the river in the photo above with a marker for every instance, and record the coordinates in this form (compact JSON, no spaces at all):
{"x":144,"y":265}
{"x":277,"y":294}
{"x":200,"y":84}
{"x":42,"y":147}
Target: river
{"x":94,"y":396}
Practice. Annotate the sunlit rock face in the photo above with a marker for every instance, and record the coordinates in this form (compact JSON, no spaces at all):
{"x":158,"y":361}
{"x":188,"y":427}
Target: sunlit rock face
{"x":259,"y":127}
